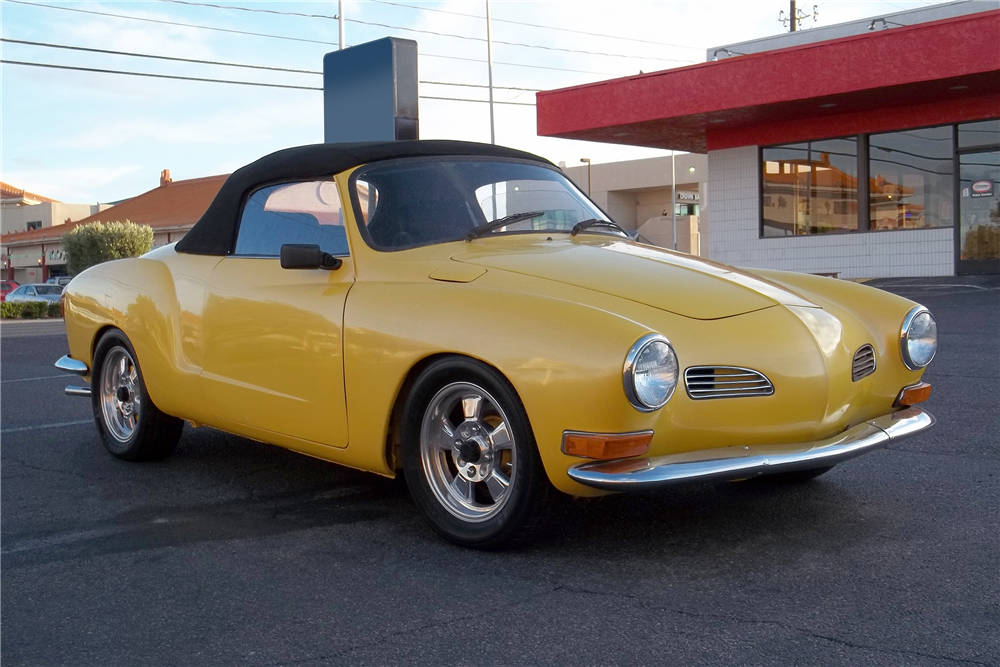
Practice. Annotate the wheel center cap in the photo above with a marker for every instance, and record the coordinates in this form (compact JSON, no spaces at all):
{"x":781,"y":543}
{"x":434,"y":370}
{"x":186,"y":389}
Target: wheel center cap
{"x":123,"y":394}
{"x":469,"y":451}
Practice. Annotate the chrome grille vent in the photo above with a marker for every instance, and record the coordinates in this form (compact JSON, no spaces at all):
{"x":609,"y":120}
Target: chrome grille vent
{"x":864,"y":362}
{"x":725,"y":382}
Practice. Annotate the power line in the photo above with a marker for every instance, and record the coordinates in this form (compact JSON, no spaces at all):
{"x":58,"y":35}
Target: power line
{"x":249,"y":9}
{"x":432,"y":32}
{"x":536,"y":25}
{"x":230,"y":81}
{"x":295,"y":39}
{"x":182,"y":25}
{"x":227,"y":64}
{"x":155,"y":57}
{"x":156,"y":76}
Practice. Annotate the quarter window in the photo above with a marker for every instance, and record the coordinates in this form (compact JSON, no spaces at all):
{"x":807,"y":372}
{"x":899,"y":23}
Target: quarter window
{"x":308,"y":212}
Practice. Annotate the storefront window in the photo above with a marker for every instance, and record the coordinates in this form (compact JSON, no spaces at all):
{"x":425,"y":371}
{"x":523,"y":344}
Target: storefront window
{"x":982,"y":133}
{"x":911,"y":179}
{"x":810,"y":188}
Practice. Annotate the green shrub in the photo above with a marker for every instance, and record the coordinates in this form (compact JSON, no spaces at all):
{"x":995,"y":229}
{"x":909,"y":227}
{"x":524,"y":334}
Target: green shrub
{"x":29,"y":310}
{"x":11,"y":310}
{"x":98,"y":242}
{"x":34,"y":310}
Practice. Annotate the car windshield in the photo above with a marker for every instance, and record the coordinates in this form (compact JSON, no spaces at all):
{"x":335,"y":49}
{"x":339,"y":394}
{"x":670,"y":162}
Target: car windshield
{"x":409,"y":203}
{"x":48,"y":289}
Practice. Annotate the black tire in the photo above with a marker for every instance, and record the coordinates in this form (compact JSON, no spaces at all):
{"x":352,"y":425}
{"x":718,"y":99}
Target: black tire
{"x":796,"y":476}
{"x":473,"y":510}
{"x":131,"y":427}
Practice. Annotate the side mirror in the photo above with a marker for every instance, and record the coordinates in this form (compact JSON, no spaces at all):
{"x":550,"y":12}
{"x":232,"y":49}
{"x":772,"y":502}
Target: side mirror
{"x":307,"y":256}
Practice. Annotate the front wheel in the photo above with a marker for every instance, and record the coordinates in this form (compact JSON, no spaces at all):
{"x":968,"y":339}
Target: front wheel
{"x":131,"y":427}
{"x":469,"y":456}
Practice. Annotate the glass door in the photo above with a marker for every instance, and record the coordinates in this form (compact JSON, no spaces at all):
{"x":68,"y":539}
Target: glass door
{"x":979,"y":213}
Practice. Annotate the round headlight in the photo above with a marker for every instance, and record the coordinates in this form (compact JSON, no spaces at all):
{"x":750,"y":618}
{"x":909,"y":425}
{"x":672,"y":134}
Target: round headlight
{"x":918,"y":343}
{"x":650,"y":373}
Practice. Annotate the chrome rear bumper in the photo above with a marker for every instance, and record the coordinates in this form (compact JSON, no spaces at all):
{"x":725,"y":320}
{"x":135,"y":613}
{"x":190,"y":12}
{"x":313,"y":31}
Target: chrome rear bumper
{"x":731,"y":463}
{"x":71,"y":365}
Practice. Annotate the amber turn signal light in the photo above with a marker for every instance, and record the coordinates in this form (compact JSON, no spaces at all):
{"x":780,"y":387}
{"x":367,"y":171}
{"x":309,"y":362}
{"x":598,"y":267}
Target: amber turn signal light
{"x":914,"y":394}
{"x":606,"y":445}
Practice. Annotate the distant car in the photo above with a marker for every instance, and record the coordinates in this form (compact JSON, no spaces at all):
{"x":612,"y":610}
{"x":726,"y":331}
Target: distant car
{"x":62,"y":281}
{"x":6,"y":287}
{"x":36,"y":292}
{"x":466,"y":315}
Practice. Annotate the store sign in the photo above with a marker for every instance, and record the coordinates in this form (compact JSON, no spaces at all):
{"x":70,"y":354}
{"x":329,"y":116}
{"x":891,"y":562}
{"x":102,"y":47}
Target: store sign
{"x":688,"y":197}
{"x":982,"y":189}
{"x":58,"y":255}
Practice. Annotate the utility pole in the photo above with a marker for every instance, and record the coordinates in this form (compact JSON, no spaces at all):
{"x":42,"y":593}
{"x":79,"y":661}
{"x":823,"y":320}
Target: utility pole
{"x":793,"y":16}
{"x":340,"y":20}
{"x":489,"y":57}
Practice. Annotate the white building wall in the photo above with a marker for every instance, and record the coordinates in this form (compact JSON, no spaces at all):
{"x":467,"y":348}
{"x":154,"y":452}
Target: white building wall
{"x":734,"y":191}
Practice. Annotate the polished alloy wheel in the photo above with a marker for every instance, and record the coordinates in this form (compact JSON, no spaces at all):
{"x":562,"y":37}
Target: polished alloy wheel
{"x":467,"y":451}
{"x":120,"y":401}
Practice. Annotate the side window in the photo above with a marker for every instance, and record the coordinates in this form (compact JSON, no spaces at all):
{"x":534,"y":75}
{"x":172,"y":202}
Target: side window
{"x":30,"y":291}
{"x":308,"y":212}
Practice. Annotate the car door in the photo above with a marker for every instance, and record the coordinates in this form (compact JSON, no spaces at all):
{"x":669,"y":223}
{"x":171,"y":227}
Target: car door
{"x":273,"y":336}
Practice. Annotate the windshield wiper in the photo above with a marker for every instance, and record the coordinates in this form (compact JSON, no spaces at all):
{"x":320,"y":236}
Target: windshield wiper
{"x":594,"y":222}
{"x":500,"y":222}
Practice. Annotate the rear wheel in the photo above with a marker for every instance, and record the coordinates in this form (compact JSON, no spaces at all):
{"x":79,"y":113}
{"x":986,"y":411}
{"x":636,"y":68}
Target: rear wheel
{"x":131,"y":427}
{"x":470,"y":458}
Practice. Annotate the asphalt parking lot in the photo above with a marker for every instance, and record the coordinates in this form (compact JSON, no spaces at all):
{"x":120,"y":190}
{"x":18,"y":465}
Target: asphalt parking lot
{"x":234,"y":552}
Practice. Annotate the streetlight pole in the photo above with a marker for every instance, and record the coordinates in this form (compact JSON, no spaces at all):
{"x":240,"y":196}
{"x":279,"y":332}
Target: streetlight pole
{"x":673,"y":195}
{"x":340,"y":20}
{"x":589,"y":173}
{"x":489,"y":57}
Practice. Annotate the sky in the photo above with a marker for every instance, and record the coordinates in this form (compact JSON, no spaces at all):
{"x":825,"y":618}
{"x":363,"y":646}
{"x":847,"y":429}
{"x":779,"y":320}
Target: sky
{"x":86,"y":137}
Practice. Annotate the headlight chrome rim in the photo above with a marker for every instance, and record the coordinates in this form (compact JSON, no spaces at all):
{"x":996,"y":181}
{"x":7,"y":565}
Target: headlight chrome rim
{"x":629,"y":372}
{"x":904,"y":338}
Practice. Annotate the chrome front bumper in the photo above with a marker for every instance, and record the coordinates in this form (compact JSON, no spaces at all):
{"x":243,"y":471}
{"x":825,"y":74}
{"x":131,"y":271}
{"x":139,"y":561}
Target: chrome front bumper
{"x":732,"y":463}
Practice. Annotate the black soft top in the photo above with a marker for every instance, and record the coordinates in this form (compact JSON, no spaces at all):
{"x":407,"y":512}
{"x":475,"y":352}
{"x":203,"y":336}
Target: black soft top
{"x":213,"y":234}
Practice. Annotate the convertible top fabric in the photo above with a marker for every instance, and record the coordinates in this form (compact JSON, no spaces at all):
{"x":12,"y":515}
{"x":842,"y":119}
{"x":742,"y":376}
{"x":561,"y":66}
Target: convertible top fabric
{"x":213,"y":234}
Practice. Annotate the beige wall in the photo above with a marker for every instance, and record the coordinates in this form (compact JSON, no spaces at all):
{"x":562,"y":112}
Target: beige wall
{"x":16,"y":218}
{"x":638,"y":192}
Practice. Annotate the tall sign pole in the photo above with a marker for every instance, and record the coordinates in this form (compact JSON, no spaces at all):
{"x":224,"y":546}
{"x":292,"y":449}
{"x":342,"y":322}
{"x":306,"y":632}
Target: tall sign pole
{"x":340,"y":20}
{"x":489,"y":56}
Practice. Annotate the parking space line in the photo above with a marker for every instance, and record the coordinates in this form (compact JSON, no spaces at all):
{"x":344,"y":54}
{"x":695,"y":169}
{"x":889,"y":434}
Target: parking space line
{"x":41,"y":426}
{"x":41,"y":377}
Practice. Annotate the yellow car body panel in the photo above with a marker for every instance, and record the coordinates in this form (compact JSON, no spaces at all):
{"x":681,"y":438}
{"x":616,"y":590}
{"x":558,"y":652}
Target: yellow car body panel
{"x":318,"y":361}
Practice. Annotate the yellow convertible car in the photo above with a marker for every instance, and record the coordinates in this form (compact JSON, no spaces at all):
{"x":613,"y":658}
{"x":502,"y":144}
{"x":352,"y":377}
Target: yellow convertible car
{"x":464,"y":315}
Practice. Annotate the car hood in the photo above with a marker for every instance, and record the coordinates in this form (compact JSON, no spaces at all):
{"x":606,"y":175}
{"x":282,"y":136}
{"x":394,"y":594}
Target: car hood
{"x":670,"y":281}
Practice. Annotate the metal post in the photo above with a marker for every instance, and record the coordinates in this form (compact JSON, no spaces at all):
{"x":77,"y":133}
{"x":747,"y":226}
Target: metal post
{"x":590,"y":174}
{"x":793,"y":14}
{"x":489,"y":57}
{"x":340,"y":20}
{"x":673,"y":195}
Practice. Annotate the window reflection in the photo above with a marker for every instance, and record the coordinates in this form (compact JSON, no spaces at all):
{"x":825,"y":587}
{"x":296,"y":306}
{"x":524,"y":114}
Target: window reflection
{"x":980,"y":133}
{"x":911,"y":179}
{"x":810,"y":188}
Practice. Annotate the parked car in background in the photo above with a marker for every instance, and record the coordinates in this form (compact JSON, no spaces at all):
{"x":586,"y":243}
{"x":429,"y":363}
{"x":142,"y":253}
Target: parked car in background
{"x":36,"y":292}
{"x":6,"y":287}
{"x":62,"y":281}
{"x":464,"y":314}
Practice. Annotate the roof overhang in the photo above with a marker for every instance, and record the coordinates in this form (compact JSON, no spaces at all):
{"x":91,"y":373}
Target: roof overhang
{"x":925,"y":74}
